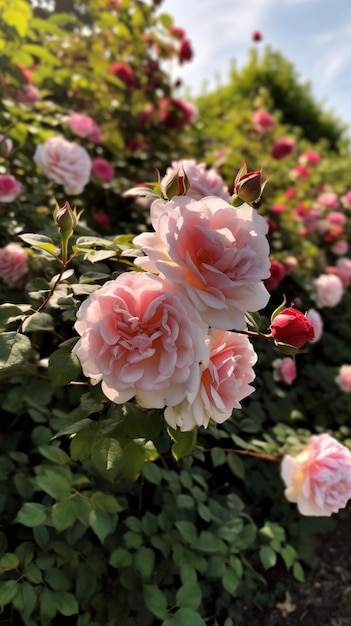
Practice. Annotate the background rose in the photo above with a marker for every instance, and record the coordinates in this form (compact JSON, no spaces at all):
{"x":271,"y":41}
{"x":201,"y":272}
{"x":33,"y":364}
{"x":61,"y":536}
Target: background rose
{"x":10,"y":188}
{"x":318,"y":479}
{"x":13,"y":264}
{"x":343,"y":378}
{"x":102,"y":169}
{"x":263,"y":121}
{"x":65,"y":162}
{"x":292,"y":327}
{"x":284,"y":370}
{"x":316,"y":322}
{"x":327,"y":290}
{"x":283,"y":147}
{"x":219,"y":254}
{"x":140,"y":337}
{"x":203,"y":182}
{"x":84,"y":126}
{"x":226,"y":372}
{"x":6,"y":146}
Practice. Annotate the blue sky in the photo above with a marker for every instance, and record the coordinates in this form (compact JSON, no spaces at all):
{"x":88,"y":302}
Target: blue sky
{"x":314,"y":35}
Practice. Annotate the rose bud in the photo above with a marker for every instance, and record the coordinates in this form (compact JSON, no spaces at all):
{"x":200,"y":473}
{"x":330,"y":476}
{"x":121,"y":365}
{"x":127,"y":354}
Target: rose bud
{"x":291,"y":327}
{"x":248,"y":186}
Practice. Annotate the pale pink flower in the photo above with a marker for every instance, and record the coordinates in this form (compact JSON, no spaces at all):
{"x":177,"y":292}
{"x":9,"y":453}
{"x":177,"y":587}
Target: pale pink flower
{"x":28,"y":94}
{"x":13,"y":264}
{"x":65,"y":162}
{"x":315,"y":319}
{"x":6,"y":146}
{"x":10,"y":188}
{"x":141,"y":337}
{"x":284,"y":370}
{"x":327,"y":290}
{"x":225,"y":374}
{"x":203,"y":182}
{"x":263,"y":122}
{"x":84,"y":126}
{"x":339,"y":248}
{"x":343,"y":266}
{"x":218,"y":254}
{"x":318,"y":479}
{"x":346,"y":200}
{"x":328,"y":200}
{"x":102,"y":169}
{"x":343,"y":379}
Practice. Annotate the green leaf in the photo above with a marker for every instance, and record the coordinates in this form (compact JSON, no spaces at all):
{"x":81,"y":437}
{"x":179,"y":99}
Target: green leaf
{"x":15,"y":349}
{"x":298,"y":572}
{"x":25,"y":598}
{"x":133,"y":460}
{"x":120,"y":557}
{"x":8,"y":562}
{"x":144,"y":561}
{"x":63,"y":514}
{"x":48,"y":607}
{"x":289,"y":555}
{"x":42,"y":53}
{"x":55,"y":483}
{"x":40,"y":241}
{"x":8,"y":590}
{"x":66,"y":603}
{"x":230,"y":580}
{"x":184,"y":442}
{"x":152,"y":473}
{"x":54,"y":454}
{"x":64,"y":366}
{"x":155,"y":601}
{"x":253,"y":320}
{"x":57,"y":579}
{"x":38,"y":321}
{"x":184,"y":617}
{"x":81,"y":444}
{"x":31,"y":514}
{"x":218,"y":457}
{"x":236,"y":465}
{"x":187,"y":531}
{"x":106,"y":502}
{"x":189,"y":595}
{"x":268,"y":557}
{"x":106,"y":455}
{"x":8,"y":314}
{"x":18,"y":17}
{"x":102,"y":523}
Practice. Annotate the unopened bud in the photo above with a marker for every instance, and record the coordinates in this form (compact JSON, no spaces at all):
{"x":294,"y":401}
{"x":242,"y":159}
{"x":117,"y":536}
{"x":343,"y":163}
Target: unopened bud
{"x":65,"y":218}
{"x":176,"y":185}
{"x":248,"y":186}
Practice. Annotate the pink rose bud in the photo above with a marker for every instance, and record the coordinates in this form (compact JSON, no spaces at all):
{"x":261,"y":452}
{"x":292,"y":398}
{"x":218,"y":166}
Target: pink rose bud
{"x":343,"y":379}
{"x":65,"y":218}
{"x":291,"y":327}
{"x":318,"y":478}
{"x":284,"y":370}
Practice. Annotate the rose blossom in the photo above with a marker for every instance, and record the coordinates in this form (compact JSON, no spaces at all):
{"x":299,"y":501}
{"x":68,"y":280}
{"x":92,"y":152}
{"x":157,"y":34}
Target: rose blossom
{"x":6,"y":146}
{"x":316,"y":322}
{"x":13,"y":264}
{"x":278,"y":272}
{"x":141,"y":337}
{"x":328,"y":290}
{"x":175,"y":113}
{"x":9,"y":188}
{"x":343,"y":378}
{"x":342,"y":270}
{"x":310,"y":157}
{"x":284,"y":370}
{"x":263,"y":122}
{"x":84,"y":126}
{"x":65,"y":162}
{"x":292,"y":327}
{"x":102,"y":169}
{"x":225,"y":374}
{"x":328,"y":200}
{"x":318,"y":479}
{"x":203,"y":182}
{"x":28,"y":94}
{"x":185,"y":51}
{"x":124,"y":72}
{"x":282,"y":148}
{"x":220,"y":256}
{"x":339,"y":248}
{"x":346,"y":200}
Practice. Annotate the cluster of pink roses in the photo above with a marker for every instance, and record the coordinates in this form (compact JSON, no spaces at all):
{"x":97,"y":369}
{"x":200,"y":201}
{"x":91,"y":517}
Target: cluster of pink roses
{"x":165,"y":335}
{"x":10,"y":187}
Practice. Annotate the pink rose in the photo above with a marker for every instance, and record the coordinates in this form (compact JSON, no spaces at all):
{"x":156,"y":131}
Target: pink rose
{"x":328,"y":200}
{"x":218,"y":254}
{"x":346,"y":200}
{"x":6,"y":146}
{"x":318,"y":479}
{"x":225,"y":374}
{"x":263,"y":122}
{"x":343,"y":378}
{"x":327,"y":290}
{"x":102,"y":219}
{"x":176,"y":113}
{"x":314,"y":318}
{"x":339,"y":248}
{"x":65,"y":162}
{"x":13,"y":265}
{"x":283,"y":148}
{"x":28,"y":94}
{"x":146,"y":115}
{"x":310,"y":158}
{"x":284,"y":370}
{"x":103,"y":170}
{"x":203,"y":182}
{"x":141,"y":337}
{"x":336,"y":217}
{"x":185,"y":51}
{"x":9,"y":188}
{"x":300,"y":171}
{"x":278,"y":272}
{"x":84,"y":126}
{"x":342,"y":270}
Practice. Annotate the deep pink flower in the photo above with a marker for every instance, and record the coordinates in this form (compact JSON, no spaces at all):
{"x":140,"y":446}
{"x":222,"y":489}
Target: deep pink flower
{"x":256,"y":36}
{"x":13,"y":265}
{"x":301,"y":171}
{"x":135,"y":144}
{"x":263,"y":122}
{"x":10,"y":188}
{"x":146,"y":115}
{"x":278,"y":208}
{"x":185,"y":51}
{"x":84,"y":126}
{"x":284,"y":370}
{"x":339,"y":248}
{"x":65,"y":162}
{"x":343,"y":379}
{"x":176,"y":113}
{"x":310,"y":157}
{"x":177,"y":32}
{"x":225,"y":374}
{"x":292,"y":327}
{"x":203,"y":182}
{"x":102,"y":219}
{"x":139,"y":336}
{"x":102,"y":169}
{"x":124,"y":72}
{"x":318,"y":478}
{"x":283,"y":147}
{"x":278,"y":272}
{"x":220,"y":255}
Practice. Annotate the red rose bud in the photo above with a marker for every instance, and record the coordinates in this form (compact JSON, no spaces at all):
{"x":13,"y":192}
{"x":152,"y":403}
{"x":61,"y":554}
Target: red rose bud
{"x":248,"y":186}
{"x":291,"y":327}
